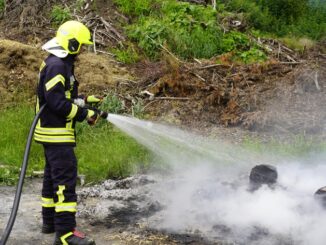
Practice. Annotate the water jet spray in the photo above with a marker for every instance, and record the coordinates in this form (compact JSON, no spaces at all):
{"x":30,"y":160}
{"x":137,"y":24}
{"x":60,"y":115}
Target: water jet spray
{"x":207,"y":190}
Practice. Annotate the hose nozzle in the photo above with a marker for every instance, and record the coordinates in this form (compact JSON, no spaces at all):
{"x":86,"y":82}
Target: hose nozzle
{"x":104,"y":114}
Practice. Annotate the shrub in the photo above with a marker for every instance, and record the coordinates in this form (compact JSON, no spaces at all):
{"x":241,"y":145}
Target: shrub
{"x":187,"y":30}
{"x":135,"y":7}
{"x":283,"y":17}
{"x":286,"y":10}
{"x":137,"y":108}
{"x":193,"y":31}
{"x":234,"y":40}
{"x":253,"y":55}
{"x":150,"y":34}
{"x":60,"y":14}
{"x":112,"y":104}
{"x":128,"y":55}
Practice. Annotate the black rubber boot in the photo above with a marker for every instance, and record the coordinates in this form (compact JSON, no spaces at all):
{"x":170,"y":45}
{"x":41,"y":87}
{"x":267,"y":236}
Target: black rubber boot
{"x":47,"y":229}
{"x":73,"y":238}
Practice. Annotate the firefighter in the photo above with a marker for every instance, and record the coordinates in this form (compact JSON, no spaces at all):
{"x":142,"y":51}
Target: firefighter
{"x":55,"y":130}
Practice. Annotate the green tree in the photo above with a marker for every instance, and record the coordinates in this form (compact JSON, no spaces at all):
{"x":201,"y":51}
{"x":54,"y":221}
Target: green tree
{"x":285,"y":10}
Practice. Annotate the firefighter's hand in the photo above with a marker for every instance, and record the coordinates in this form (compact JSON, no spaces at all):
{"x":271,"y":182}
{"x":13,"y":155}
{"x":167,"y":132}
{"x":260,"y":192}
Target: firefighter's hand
{"x":93,"y":99}
{"x":92,"y":117}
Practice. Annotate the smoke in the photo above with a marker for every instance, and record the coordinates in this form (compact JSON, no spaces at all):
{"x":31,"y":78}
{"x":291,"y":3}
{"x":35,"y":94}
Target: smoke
{"x":218,"y":204}
{"x":207,"y":193}
{"x":296,"y":108}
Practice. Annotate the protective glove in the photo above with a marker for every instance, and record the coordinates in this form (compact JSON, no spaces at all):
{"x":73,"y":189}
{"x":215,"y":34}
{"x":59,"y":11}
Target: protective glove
{"x":82,"y":100}
{"x":93,"y":99}
{"x":92,"y":117}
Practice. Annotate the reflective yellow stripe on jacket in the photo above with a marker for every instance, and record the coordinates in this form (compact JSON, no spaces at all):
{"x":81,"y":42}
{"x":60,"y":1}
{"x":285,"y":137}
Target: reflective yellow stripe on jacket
{"x":64,"y":134}
{"x":50,"y":84}
{"x":73,"y":112}
{"x":55,"y":135}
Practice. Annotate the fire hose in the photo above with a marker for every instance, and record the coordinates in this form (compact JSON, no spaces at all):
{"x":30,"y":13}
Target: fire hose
{"x":15,"y":206}
{"x":20,"y":184}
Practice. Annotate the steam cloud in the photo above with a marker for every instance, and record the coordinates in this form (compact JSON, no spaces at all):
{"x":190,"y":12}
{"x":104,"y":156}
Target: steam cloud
{"x":218,"y":204}
{"x":207,"y":193}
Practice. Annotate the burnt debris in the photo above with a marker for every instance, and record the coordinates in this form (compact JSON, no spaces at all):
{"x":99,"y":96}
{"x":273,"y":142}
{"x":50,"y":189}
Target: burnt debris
{"x":263,"y":174}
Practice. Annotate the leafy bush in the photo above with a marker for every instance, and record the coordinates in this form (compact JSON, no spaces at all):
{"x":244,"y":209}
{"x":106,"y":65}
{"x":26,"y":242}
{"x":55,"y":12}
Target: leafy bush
{"x":234,"y":40}
{"x":193,"y":31}
{"x":283,"y":17}
{"x":197,"y":43}
{"x":112,"y":104}
{"x":288,"y":11}
{"x":185,"y":29}
{"x":126,"y":56}
{"x":135,"y":7}
{"x":60,"y":14}
{"x":253,"y":55}
{"x":138,"y":108}
{"x":150,"y":34}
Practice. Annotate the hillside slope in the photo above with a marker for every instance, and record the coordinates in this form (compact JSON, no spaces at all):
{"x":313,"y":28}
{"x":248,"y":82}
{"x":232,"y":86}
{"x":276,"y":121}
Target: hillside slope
{"x":285,"y":94}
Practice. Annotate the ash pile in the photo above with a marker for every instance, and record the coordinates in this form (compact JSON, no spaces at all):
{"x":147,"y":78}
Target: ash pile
{"x":215,"y":209}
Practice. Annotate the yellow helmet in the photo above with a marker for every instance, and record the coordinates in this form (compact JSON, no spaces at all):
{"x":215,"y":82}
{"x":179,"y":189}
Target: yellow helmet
{"x":70,"y":36}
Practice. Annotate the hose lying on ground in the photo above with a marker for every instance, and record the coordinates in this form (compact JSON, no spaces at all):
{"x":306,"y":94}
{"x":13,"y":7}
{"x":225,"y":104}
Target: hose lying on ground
{"x":15,"y":206}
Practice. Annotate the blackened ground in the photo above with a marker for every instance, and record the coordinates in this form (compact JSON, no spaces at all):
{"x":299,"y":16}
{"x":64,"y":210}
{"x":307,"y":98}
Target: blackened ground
{"x":120,"y":226}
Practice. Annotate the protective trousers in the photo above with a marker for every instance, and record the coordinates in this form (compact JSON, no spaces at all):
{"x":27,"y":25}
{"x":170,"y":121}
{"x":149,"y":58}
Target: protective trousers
{"x":59,"y":199}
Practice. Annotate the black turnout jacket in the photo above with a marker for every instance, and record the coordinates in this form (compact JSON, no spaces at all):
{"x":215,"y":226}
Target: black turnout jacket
{"x":57,"y":87}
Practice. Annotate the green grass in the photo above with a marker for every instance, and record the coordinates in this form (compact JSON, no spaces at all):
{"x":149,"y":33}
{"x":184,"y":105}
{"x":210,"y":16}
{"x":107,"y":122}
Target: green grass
{"x":135,"y":7}
{"x":126,"y":55}
{"x":15,"y":123}
{"x":105,"y":152}
{"x":185,"y":29}
{"x":60,"y":14}
{"x":285,"y":18}
{"x":298,"y":146}
{"x":102,"y":151}
{"x":195,"y":31}
{"x":298,"y":45}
